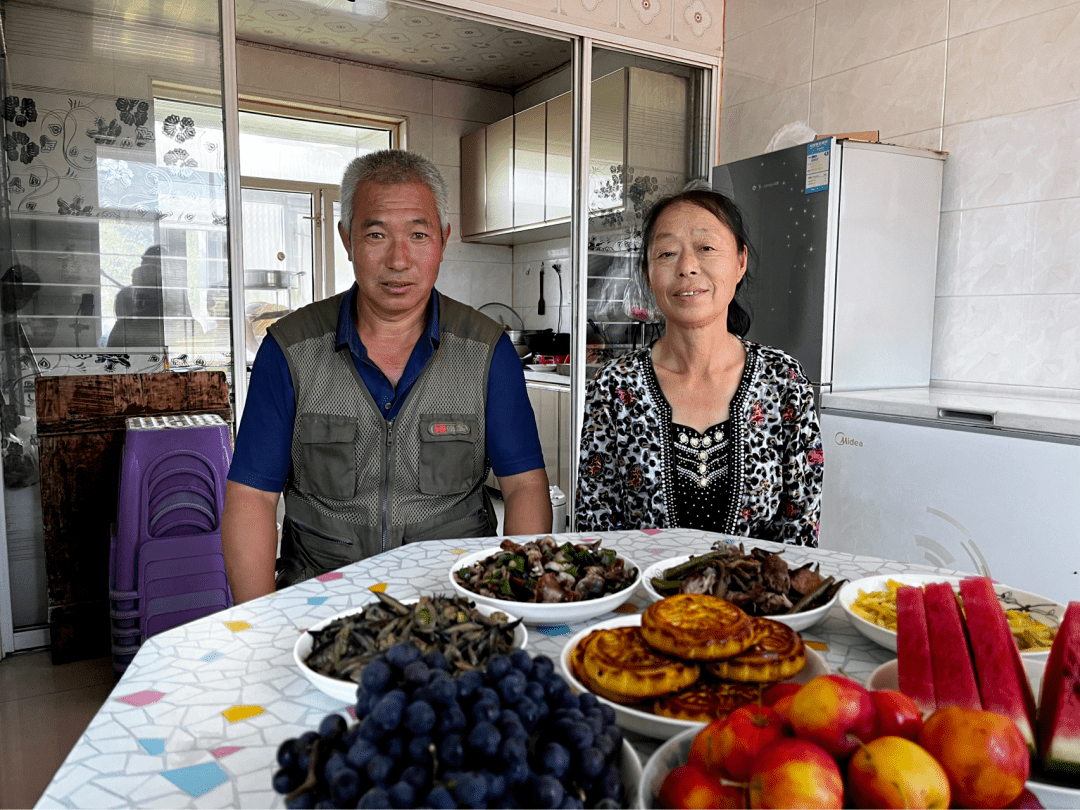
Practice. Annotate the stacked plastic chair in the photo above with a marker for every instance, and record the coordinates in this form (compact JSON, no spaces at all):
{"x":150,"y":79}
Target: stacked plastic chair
{"x":165,"y":564}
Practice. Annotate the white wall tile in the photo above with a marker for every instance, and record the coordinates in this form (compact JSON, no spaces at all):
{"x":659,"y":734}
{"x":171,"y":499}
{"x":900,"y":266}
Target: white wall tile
{"x":850,"y":33}
{"x":742,"y":18}
{"x":446,"y":139}
{"x":385,"y":90}
{"x":284,"y":75}
{"x":471,"y":103}
{"x":452,"y":175}
{"x":1055,"y":255}
{"x":1021,"y":65}
{"x":769,"y":59}
{"x":986,"y":251}
{"x":1012,"y":158}
{"x":419,"y":134}
{"x":894,"y":95}
{"x":966,"y":16}
{"x":927,"y":139}
{"x":745,"y":129}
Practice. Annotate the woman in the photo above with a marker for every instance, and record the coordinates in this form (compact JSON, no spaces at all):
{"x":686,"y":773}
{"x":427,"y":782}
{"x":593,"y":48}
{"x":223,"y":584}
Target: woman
{"x":703,"y":429}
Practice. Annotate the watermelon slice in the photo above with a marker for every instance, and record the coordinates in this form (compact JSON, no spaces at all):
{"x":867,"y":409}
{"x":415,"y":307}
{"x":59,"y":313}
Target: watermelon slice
{"x":1003,"y":683}
{"x":954,"y":677}
{"x":913,"y":648}
{"x":1059,"y":704}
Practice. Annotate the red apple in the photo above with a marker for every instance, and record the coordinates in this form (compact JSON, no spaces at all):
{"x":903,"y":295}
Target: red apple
{"x":1025,"y":801}
{"x":983,"y":753}
{"x":689,"y":787}
{"x":743,"y":735}
{"x":795,"y":773}
{"x":897,"y":714}
{"x":777,"y":691}
{"x":835,"y":712}
{"x":783,"y":707}
{"x":894,"y":772}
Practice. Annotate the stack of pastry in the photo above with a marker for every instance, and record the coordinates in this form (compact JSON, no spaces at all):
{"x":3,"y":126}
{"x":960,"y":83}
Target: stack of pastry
{"x":694,"y":657}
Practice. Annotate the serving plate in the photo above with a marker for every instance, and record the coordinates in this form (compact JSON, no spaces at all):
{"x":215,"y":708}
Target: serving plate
{"x":544,"y":612}
{"x":345,"y":691}
{"x":1048,"y":793}
{"x":796,"y":621}
{"x":1045,"y":610}
{"x":647,"y":723}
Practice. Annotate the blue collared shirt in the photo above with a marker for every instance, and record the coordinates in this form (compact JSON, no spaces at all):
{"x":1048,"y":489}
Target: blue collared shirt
{"x":262,"y":457}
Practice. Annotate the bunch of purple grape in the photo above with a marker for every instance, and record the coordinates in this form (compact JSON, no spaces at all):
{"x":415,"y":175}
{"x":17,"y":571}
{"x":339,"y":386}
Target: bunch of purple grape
{"x":511,"y":735}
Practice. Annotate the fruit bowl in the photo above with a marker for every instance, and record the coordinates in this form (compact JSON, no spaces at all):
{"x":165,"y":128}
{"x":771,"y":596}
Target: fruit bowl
{"x":545,"y":613}
{"x":645,"y":722}
{"x":1042,"y":609}
{"x":1050,"y":794}
{"x":670,"y":755}
{"x":796,"y":621}
{"x":345,"y":691}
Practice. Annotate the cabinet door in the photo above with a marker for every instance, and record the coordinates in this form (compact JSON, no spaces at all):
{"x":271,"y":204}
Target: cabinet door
{"x":559,"y":172}
{"x":607,"y":151}
{"x":529,"y":137}
{"x":657,"y":125}
{"x":500,"y":175}
{"x":545,"y":402}
{"x":474,"y":183}
{"x":566,"y":441}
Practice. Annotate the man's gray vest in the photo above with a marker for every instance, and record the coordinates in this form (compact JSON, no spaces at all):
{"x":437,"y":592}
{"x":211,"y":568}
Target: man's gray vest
{"x":360,"y":484}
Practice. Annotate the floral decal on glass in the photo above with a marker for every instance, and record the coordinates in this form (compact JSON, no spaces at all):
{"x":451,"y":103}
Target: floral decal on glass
{"x":697,"y":16}
{"x":646,"y":9}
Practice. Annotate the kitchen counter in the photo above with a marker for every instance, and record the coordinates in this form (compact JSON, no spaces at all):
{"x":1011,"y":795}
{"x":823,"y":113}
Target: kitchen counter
{"x":952,"y":407}
{"x":196,"y":719}
{"x":550,"y":377}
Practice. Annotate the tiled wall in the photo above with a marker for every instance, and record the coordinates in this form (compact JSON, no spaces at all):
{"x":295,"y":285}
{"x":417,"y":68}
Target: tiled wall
{"x":438,"y":113}
{"x":995,"y":85}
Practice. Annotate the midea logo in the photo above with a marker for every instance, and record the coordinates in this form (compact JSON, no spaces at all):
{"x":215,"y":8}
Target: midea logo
{"x":842,"y":439}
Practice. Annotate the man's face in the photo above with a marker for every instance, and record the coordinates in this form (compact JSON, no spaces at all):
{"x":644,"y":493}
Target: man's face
{"x":395,"y":247}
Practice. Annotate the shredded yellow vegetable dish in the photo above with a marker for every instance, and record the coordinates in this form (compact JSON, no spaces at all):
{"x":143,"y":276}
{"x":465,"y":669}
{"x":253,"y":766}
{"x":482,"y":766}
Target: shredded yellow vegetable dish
{"x":879,"y":607}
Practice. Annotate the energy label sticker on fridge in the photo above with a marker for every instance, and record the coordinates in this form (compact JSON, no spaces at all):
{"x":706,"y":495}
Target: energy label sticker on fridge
{"x":817,"y":165}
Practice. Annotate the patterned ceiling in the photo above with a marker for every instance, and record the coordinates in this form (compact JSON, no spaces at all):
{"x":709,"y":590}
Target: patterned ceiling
{"x":395,"y":35}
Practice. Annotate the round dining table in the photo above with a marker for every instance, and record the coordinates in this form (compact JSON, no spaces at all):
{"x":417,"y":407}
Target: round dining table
{"x":198,"y":715}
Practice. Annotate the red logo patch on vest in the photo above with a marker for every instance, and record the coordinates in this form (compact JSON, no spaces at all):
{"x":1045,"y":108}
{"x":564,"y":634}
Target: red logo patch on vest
{"x":449,"y":429}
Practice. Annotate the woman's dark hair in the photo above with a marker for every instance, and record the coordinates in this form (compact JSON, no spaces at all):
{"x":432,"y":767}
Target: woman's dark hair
{"x":725,"y":210}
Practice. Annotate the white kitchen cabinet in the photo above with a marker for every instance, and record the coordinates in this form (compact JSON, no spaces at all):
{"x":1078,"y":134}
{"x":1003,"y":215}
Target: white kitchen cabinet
{"x":530,"y":144}
{"x":551,"y":406}
{"x":607,"y":154}
{"x":474,"y":182}
{"x":558,"y":172}
{"x":499,"y":168}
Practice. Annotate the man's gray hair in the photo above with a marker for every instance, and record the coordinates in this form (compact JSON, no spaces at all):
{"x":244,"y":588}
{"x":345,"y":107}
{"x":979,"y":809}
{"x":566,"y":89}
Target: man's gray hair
{"x":393,"y":166}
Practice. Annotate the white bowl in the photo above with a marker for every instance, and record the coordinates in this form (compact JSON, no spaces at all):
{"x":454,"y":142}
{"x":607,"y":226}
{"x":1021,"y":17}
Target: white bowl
{"x":630,"y":767}
{"x":544,"y":367}
{"x":645,"y":722}
{"x":543,"y":612}
{"x":1048,"y":611}
{"x":670,"y":755}
{"x":345,"y":691}
{"x":796,"y":621}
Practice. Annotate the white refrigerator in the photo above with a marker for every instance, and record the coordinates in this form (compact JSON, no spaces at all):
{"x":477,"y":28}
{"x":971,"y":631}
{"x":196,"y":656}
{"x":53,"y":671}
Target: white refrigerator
{"x":955,"y":490}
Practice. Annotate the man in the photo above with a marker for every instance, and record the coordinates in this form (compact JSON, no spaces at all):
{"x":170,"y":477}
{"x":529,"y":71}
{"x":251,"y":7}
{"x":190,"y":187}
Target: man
{"x":378,"y":410}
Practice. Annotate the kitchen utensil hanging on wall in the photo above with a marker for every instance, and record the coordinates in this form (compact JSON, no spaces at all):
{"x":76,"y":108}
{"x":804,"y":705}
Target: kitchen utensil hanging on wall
{"x":540,"y":304}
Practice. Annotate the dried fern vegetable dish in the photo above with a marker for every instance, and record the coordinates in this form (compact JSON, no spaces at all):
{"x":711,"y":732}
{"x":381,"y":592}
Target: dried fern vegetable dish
{"x":760,"y":582}
{"x":542,"y":571}
{"x":449,"y":625}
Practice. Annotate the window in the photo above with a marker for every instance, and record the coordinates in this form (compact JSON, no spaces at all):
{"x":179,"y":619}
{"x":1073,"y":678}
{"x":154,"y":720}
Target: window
{"x":291,"y":170}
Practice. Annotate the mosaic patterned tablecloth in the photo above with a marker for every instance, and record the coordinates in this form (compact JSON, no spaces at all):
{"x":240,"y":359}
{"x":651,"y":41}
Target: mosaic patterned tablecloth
{"x":196,"y":719}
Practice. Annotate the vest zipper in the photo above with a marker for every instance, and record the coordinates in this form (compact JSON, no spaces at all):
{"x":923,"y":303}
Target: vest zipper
{"x":386,"y":477}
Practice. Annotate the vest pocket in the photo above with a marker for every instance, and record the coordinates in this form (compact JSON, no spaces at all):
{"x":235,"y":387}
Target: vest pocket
{"x":328,"y":455}
{"x":447,"y":443}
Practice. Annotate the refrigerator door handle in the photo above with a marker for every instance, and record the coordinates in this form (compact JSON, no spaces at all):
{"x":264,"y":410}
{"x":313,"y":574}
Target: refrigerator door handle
{"x":971,"y":417}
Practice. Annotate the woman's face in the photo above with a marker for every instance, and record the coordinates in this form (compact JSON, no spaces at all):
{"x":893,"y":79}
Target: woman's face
{"x":694,"y":266}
